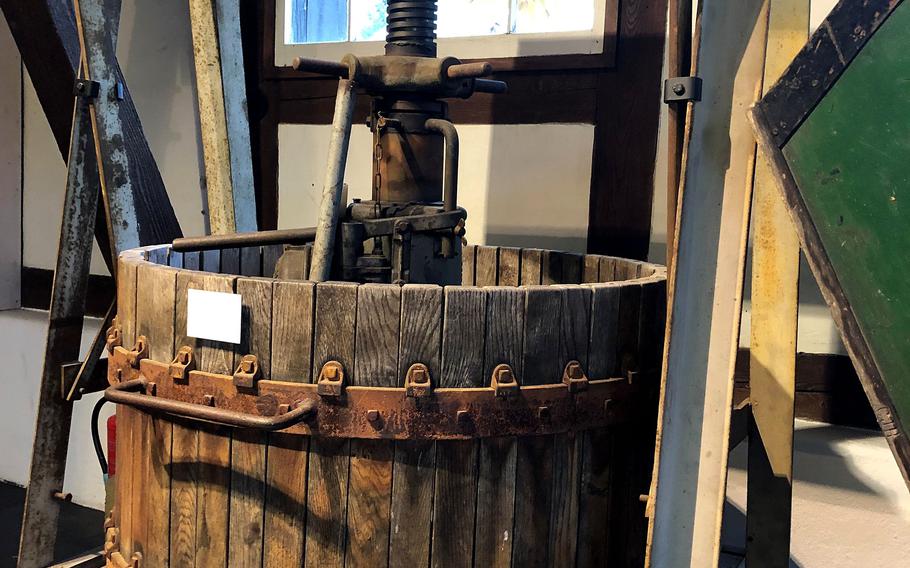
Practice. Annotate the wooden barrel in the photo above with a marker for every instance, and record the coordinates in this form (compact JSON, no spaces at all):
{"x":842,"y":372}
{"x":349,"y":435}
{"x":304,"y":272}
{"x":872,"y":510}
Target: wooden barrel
{"x":192,"y":492}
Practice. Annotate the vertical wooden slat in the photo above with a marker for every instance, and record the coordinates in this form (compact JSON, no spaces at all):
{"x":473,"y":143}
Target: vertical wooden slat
{"x":213,"y":121}
{"x":248,"y":447}
{"x":292,"y":344}
{"x":467,"y":265}
{"x":575,"y":325}
{"x":327,"y":480}
{"x":509,"y":266}
{"x":775,"y":306}
{"x":486,"y":267}
{"x":412,"y":479}
{"x":251,"y":261}
{"x":550,"y":267}
{"x":572,"y":267}
{"x":591,"y":269}
{"x":496,"y":477}
{"x":455,"y":489}
{"x":607,"y":269}
{"x":534,"y":461}
{"x":203,"y":472}
{"x":127,"y":418}
{"x":603,"y":362}
{"x":192,"y":260}
{"x":230,"y":261}
{"x":156,"y":299}
{"x":270,"y":256}
{"x":211,"y":261}
{"x":531,"y":266}
{"x":375,"y":364}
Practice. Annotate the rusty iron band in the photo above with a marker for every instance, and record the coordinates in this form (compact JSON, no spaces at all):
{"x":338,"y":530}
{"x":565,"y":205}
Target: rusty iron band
{"x":328,"y":408}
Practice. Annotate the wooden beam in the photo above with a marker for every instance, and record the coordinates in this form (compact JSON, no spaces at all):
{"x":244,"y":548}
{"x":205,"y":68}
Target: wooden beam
{"x":679,"y":63}
{"x":45,"y":32}
{"x":687,"y":494}
{"x":218,"y":53}
{"x":775,"y":301}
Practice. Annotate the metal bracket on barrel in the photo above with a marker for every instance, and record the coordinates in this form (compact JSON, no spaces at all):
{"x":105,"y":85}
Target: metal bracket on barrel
{"x":417,"y":382}
{"x":574,"y":377}
{"x":182,"y":365}
{"x":331,"y":380}
{"x":247,"y":373}
{"x":503,"y":382}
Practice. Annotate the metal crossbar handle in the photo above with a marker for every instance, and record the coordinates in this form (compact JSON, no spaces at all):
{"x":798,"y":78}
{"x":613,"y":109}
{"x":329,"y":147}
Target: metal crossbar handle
{"x":125,"y":393}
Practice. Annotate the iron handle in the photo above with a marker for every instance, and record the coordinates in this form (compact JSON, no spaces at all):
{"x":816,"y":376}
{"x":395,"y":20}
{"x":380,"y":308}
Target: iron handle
{"x":124,"y":393}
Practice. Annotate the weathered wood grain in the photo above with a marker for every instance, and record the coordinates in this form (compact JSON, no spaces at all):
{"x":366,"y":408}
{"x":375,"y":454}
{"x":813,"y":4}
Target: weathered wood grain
{"x":467,"y":265}
{"x":248,"y":447}
{"x":375,"y":364}
{"x":486,"y":267}
{"x":572,"y":266}
{"x":156,"y":299}
{"x":496,"y":471}
{"x":251,"y":261}
{"x":509,"y":266}
{"x":211,"y":261}
{"x":210,"y":95}
{"x":591,"y":269}
{"x":607,"y":269}
{"x":531,"y":260}
{"x":327,"y":481}
{"x":534,"y":457}
{"x":463,"y":337}
{"x":594,"y":499}
{"x":230,"y":261}
{"x":270,"y":256}
{"x":293,"y":311}
{"x":294,"y":263}
{"x":293,"y":306}
{"x":184,"y":494}
{"x":126,"y":314}
{"x":192,"y":260}
{"x":574,"y":335}
{"x":413,"y":472}
{"x":602,"y":355}
{"x":550,"y":267}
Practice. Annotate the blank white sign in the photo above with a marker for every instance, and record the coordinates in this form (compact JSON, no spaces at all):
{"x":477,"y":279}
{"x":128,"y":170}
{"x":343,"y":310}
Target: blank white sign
{"x":213,"y":315}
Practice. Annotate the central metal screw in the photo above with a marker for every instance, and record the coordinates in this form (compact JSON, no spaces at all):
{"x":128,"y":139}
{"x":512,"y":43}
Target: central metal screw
{"x":679,"y":89}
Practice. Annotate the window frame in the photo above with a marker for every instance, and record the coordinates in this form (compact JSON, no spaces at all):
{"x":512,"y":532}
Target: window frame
{"x":511,"y":52}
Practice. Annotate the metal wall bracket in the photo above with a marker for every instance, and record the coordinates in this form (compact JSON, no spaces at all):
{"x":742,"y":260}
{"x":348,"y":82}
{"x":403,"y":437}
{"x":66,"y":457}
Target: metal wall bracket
{"x":86,"y":88}
{"x":682,"y":89}
{"x":417,"y":382}
{"x":331,"y":380}
{"x":503,"y":381}
{"x":247,"y":372}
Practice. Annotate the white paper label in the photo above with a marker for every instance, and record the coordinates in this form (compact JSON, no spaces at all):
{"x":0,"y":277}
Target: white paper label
{"x":213,"y":315}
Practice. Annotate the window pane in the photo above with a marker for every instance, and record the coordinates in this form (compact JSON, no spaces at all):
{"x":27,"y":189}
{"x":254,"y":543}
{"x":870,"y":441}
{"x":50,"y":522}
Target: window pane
{"x":537,"y":16}
{"x":458,"y":18}
{"x":368,"y":20}
{"x":318,"y":21}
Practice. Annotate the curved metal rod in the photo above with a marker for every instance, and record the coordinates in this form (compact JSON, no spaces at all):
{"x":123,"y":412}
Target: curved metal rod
{"x":124,"y":393}
{"x":450,"y":182}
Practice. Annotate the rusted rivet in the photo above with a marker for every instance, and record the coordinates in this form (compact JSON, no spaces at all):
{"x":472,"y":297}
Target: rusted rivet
{"x":373,"y":415}
{"x":330,"y":372}
{"x":574,"y":370}
{"x":543,"y":413}
{"x":463,"y":416}
{"x":208,"y":400}
{"x":420,"y":375}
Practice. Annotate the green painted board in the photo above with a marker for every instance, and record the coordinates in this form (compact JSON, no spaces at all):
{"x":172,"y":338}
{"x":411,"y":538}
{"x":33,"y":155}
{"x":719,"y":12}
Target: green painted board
{"x":838,"y":128}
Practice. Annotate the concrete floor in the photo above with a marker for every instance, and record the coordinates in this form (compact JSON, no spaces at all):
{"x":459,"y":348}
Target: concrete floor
{"x":851,"y":508}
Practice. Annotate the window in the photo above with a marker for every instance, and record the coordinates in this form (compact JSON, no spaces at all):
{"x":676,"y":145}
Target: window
{"x":328,"y":29}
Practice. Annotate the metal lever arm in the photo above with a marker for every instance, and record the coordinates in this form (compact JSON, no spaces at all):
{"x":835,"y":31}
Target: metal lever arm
{"x":124,"y":393}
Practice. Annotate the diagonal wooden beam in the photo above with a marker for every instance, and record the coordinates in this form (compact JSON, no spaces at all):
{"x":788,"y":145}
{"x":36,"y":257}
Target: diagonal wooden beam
{"x":45,"y":32}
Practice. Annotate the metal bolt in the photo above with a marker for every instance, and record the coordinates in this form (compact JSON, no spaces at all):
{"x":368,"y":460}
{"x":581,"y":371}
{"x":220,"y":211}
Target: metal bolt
{"x":575,"y":371}
{"x":504,"y":376}
{"x":61,"y":496}
{"x":607,"y":406}
{"x":331,"y":372}
{"x":463,"y":416}
{"x":373,"y":415}
{"x":208,"y":400}
{"x":543,"y":413}
{"x":247,"y":364}
{"x":420,"y":375}
{"x":151,"y":389}
{"x":679,"y":89}
{"x":284,"y":408}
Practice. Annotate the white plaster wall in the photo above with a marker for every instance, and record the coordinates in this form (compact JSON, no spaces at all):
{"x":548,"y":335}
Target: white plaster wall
{"x":817,"y":333}
{"x":155,"y":53}
{"x":522,"y":185}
